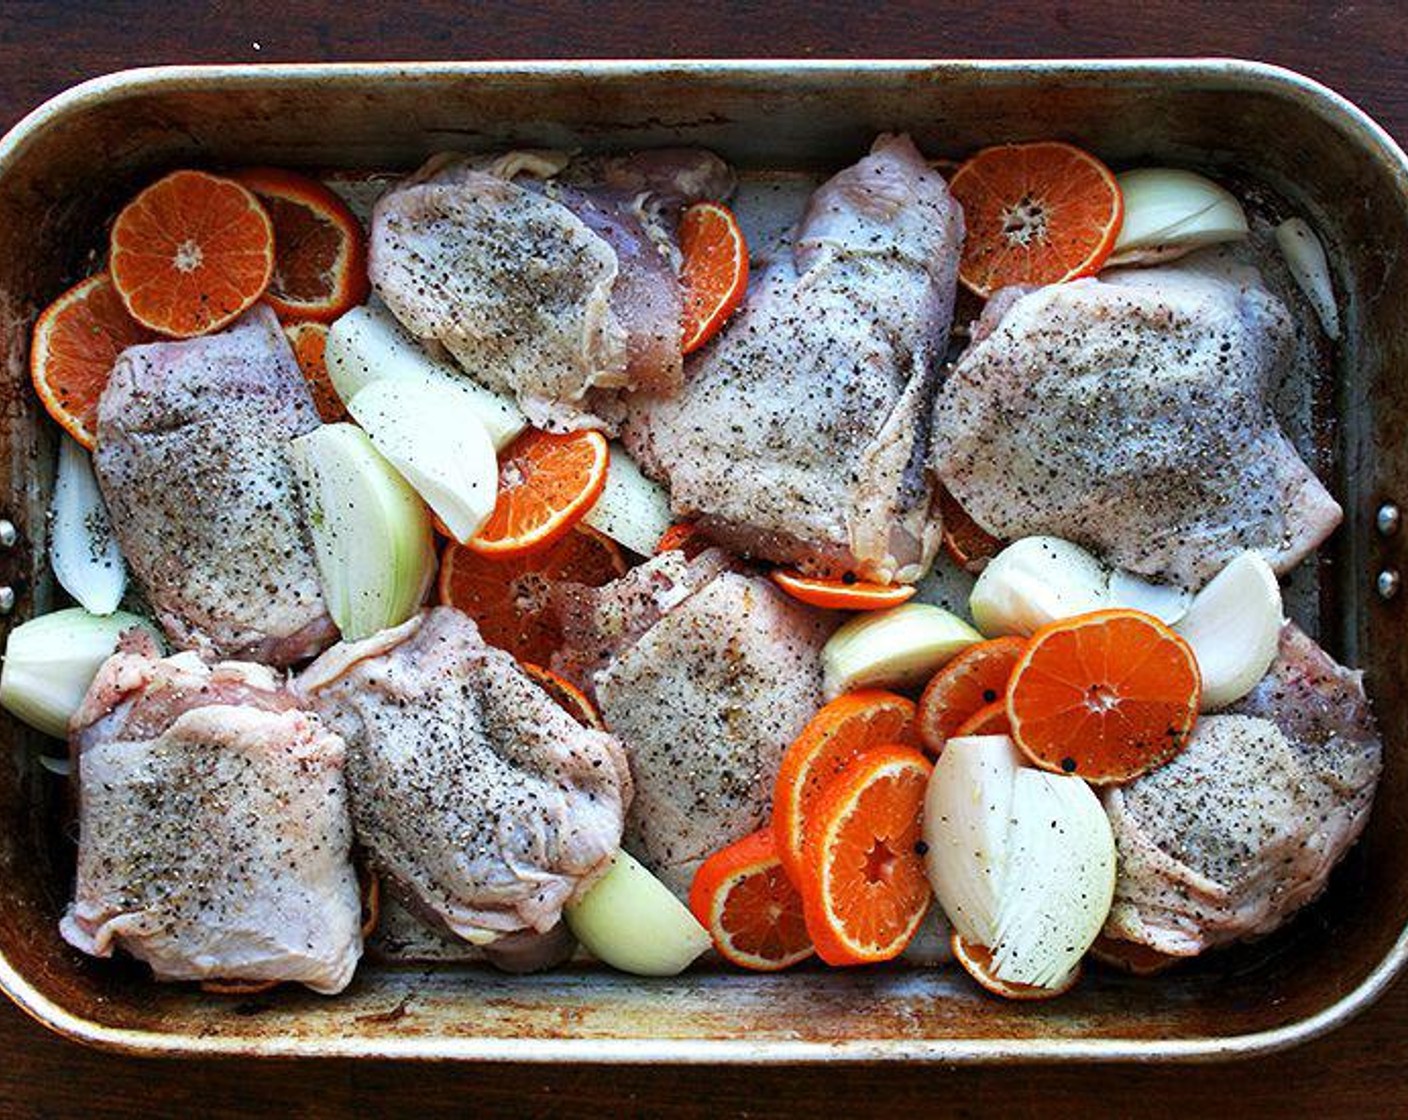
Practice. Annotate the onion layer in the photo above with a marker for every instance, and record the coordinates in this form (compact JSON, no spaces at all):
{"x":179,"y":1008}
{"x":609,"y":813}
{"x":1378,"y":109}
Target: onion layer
{"x":368,"y":344}
{"x":371,"y":533}
{"x":433,"y":436}
{"x":1023,"y":862}
{"x":1234,"y":627}
{"x":630,"y":920}
{"x":893,"y":648}
{"x":1306,"y":259}
{"x":82,"y":548}
{"x":51,"y":660}
{"x":1169,"y":212}
{"x":632,"y":510}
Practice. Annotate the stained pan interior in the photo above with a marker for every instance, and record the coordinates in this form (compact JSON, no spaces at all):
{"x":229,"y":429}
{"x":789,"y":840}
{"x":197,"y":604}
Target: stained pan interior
{"x":66,"y":168}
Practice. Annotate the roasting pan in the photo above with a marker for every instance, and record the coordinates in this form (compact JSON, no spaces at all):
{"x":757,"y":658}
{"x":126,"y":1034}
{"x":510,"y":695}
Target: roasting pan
{"x":67,"y":166}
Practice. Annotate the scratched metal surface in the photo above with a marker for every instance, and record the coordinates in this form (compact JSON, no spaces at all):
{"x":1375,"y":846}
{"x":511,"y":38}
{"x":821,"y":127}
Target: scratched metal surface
{"x":64,"y":171}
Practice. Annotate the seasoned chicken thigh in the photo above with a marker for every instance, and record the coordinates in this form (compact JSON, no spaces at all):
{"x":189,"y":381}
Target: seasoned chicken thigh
{"x":548,"y":291}
{"x":706,"y":676}
{"x":802,"y":431}
{"x":192,"y":457}
{"x":214,"y":838}
{"x":480,"y":800}
{"x":1243,"y":828}
{"x":1132,"y":414}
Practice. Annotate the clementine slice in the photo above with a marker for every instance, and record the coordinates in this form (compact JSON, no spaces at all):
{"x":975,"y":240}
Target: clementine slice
{"x":835,"y":737}
{"x":967,"y":543}
{"x":863,"y":885}
{"x":714,"y":273}
{"x":975,"y":679}
{"x":238,"y":987}
{"x":509,"y":596}
{"x":1035,"y":214}
{"x":1128,"y":956}
{"x":977,"y":962}
{"x":569,"y":697}
{"x":369,"y":886}
{"x":320,"y":251}
{"x":840,"y":594}
{"x":1105,"y":695}
{"x":990,"y":719}
{"x":76,"y":340}
{"x":547,"y":483}
{"x":191,"y":253}
{"x":744,"y":898}
{"x":310,"y":342}
{"x":683,"y":536}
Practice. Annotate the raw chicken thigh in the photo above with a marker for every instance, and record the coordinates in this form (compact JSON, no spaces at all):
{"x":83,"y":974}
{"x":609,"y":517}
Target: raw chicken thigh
{"x":802,"y":431}
{"x":548,"y":291}
{"x":1132,"y":414}
{"x":1244,"y":827}
{"x":192,"y":458}
{"x":214,"y":837}
{"x":483,"y":803}
{"x":705,"y":675}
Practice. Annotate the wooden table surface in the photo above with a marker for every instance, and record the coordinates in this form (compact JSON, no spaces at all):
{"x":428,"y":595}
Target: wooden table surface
{"x":46,"y":45}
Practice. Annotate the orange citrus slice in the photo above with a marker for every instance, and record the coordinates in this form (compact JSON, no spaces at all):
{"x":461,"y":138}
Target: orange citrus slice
{"x":547,"y":483}
{"x":840,"y":594}
{"x":191,"y":253}
{"x":76,"y":340}
{"x":975,"y":679}
{"x":568,"y":696}
{"x":369,"y":885}
{"x":977,"y":962}
{"x":714,"y":273}
{"x":310,"y":342}
{"x":1128,"y":956}
{"x":833,"y":739}
{"x":990,"y":719}
{"x":863,"y":883}
{"x":510,"y":597}
{"x":1035,"y":214}
{"x":744,"y":898}
{"x":238,"y":987}
{"x":1105,"y":695}
{"x":320,"y":251}
{"x":683,"y":536}
{"x":967,"y":543}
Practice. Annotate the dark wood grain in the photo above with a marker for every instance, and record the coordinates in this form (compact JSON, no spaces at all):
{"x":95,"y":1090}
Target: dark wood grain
{"x":1353,"y":47}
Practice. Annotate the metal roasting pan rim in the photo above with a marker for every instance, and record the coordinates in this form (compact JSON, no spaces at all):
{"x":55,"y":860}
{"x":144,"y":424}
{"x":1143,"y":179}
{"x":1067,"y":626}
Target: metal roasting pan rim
{"x":1209,"y":72}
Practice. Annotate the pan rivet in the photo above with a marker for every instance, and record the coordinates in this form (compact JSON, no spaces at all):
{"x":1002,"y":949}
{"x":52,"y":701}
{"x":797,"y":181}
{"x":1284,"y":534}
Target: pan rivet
{"x":7,"y":600}
{"x":8,"y":534}
{"x":1387,"y":519}
{"x":1387,"y":584}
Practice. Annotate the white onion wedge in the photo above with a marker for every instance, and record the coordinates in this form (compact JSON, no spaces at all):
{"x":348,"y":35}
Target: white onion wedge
{"x":82,"y":548}
{"x":1306,"y":259}
{"x":630,"y":920}
{"x":367,"y":344}
{"x":1234,"y":627}
{"x":1169,"y":212}
{"x":1164,"y":601}
{"x":632,"y":510}
{"x":433,"y":436}
{"x":893,"y":648}
{"x":1034,"y":581}
{"x":51,"y":660}
{"x":1059,"y":880}
{"x":967,"y":812}
{"x":371,"y":532}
